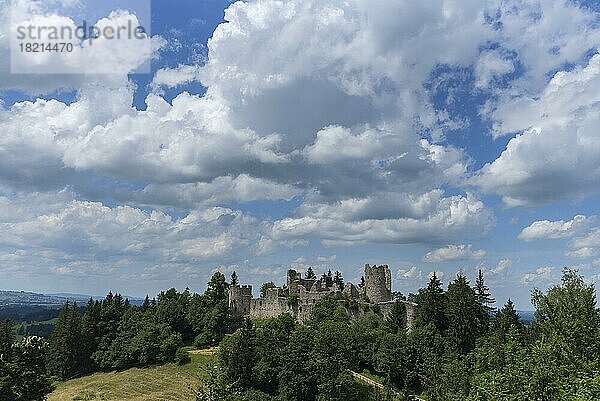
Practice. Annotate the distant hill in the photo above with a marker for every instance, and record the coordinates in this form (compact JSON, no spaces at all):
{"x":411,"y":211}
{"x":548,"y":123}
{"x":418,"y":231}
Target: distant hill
{"x":527,"y":316}
{"x":8,"y":298}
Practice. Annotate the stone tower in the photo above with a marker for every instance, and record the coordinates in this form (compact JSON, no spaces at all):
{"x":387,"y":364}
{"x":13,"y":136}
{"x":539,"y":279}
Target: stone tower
{"x":378,"y":283}
{"x":239,"y":299}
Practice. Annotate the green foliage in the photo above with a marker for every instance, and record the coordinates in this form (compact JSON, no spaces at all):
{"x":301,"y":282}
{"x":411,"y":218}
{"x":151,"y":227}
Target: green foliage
{"x":485,"y":300}
{"x":23,"y":370}
{"x":201,"y":341}
{"x":432,"y":305}
{"x":328,"y":309}
{"x":272,"y":338}
{"x":396,"y":321}
{"x":293,"y":300}
{"x":310,"y":274}
{"x":65,"y":351}
{"x":462,"y":313}
{"x":112,"y":334}
{"x":265,"y":287}
{"x":182,"y":357}
{"x":254,"y":395}
{"x":338,"y":280}
{"x":237,"y":356}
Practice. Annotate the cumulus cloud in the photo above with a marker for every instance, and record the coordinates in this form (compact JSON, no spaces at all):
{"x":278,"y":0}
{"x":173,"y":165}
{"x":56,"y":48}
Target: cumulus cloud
{"x":502,"y":266}
{"x":90,"y":231}
{"x":545,"y":229}
{"x":321,"y":101}
{"x":173,"y":77}
{"x":581,"y":253}
{"x":100,"y":61}
{"x":542,"y":275}
{"x":337,"y":225}
{"x":490,"y":66}
{"x":412,"y":273}
{"x":555,"y":155}
{"x":452,"y":253}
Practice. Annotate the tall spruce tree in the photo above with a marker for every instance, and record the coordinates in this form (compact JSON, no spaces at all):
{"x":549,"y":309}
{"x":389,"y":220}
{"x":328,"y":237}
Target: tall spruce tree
{"x":7,"y":339}
{"x":234,"y":279}
{"x":506,"y":318}
{"x":89,"y":334}
{"x":310,"y":274}
{"x":327,"y":279}
{"x":338,"y":279}
{"x":485,"y":301}
{"x":462,"y":311}
{"x":432,"y":302}
{"x":64,"y":352}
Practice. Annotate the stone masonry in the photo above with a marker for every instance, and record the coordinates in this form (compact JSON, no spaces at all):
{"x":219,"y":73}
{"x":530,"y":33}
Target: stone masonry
{"x":299,"y":296}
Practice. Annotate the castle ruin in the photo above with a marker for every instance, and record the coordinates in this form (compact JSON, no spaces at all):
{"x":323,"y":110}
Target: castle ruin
{"x":299,"y":296}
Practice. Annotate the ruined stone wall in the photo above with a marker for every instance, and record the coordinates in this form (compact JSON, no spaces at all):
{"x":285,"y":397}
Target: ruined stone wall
{"x":308,"y":292}
{"x":378,"y":283}
{"x":239,"y":299}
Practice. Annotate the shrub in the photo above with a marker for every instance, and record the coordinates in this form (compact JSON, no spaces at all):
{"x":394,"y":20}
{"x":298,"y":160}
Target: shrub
{"x":182,"y":357}
{"x":201,"y":341}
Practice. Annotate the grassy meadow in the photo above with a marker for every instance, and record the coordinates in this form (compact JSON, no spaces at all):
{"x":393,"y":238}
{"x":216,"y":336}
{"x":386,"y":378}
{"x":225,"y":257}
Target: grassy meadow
{"x":168,"y":382}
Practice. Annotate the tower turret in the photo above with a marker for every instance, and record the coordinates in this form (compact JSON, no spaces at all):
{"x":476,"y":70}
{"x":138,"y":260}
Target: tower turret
{"x":378,"y":283}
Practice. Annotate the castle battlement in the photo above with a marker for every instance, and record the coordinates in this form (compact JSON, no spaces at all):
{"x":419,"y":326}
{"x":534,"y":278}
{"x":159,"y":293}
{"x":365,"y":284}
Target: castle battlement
{"x":306,"y":292}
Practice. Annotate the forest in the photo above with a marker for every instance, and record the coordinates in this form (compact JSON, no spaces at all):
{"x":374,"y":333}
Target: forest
{"x":459,"y":348}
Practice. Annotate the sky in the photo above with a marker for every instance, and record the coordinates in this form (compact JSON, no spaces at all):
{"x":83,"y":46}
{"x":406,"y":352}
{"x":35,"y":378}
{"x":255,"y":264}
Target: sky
{"x":434,"y":136}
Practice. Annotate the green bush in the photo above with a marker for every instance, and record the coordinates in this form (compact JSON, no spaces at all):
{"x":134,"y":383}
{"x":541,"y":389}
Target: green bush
{"x":201,"y":341}
{"x":182,"y":357}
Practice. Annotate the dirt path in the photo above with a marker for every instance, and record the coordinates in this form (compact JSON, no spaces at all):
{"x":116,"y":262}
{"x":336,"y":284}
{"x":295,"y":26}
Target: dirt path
{"x":207,"y":351}
{"x":379,"y":385}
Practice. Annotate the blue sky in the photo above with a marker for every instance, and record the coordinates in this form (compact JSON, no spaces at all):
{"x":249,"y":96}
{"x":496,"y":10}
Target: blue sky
{"x":444,"y":136}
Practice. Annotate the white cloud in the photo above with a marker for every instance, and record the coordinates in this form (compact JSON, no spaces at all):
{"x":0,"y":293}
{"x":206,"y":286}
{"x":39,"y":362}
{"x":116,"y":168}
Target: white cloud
{"x":452,"y":217}
{"x":502,"y":266}
{"x":545,"y":229}
{"x":581,"y":253}
{"x":64,"y":233}
{"x":556,"y":154}
{"x":321,"y":99}
{"x":453,"y":253}
{"x":172,"y":77}
{"x":490,"y":66}
{"x":103,"y":61}
{"x":412,"y":273}
{"x":541,"y":275}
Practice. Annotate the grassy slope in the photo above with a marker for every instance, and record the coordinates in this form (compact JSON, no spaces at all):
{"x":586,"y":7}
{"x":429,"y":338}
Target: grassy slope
{"x":157,"y":383}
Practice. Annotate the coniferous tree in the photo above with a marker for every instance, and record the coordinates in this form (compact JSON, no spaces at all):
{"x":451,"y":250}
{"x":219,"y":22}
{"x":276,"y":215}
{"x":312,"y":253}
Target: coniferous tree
{"x":265,"y":287}
{"x":485,"y":301}
{"x":89,"y":335}
{"x":234,"y":279}
{"x":7,"y":339}
{"x":64,"y":353}
{"x":146,"y":304}
{"x":506,"y":318}
{"x":310,"y":274}
{"x":327,"y":279}
{"x":362,"y":282}
{"x":462,"y":311}
{"x":432,"y":304}
{"x":338,"y":279}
